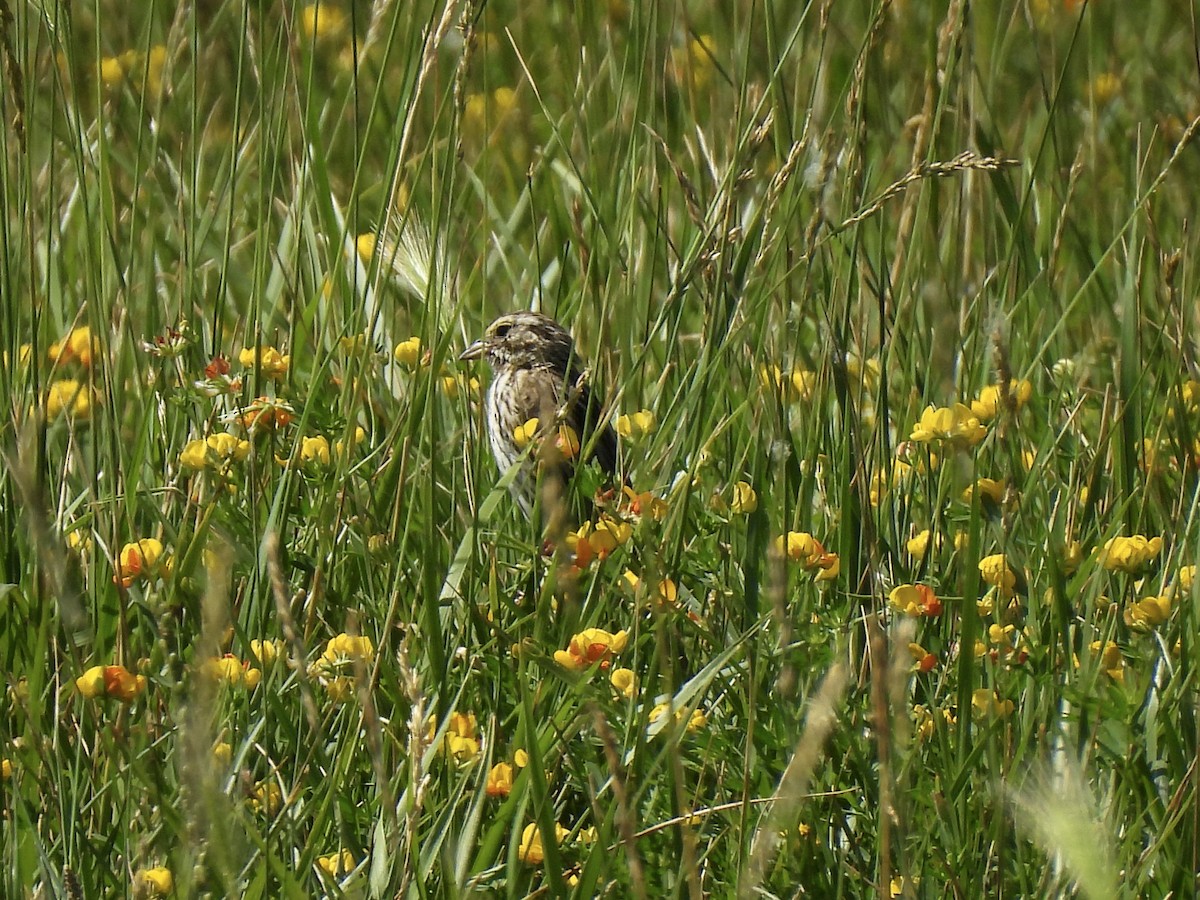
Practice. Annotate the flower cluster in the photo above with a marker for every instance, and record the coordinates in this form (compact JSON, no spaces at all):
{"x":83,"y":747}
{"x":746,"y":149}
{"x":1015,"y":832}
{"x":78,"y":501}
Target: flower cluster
{"x":338,"y":668}
{"x":231,"y":671}
{"x":590,"y":647}
{"x":949,"y":427}
{"x":1130,"y":554}
{"x":635,"y":426}
{"x":791,"y":387}
{"x":802,"y":548}
{"x":141,"y":560}
{"x":114,"y":682}
{"x":915,"y":600}
{"x":136,"y":68}
{"x":597,"y":541}
{"x":461,"y":740}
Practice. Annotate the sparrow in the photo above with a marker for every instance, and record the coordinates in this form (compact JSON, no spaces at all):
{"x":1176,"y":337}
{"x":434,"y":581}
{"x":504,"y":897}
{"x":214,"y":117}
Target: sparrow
{"x":537,"y":375}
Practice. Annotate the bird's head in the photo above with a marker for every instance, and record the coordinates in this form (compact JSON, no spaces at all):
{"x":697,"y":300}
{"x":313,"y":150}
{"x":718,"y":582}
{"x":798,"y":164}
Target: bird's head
{"x":523,"y":340}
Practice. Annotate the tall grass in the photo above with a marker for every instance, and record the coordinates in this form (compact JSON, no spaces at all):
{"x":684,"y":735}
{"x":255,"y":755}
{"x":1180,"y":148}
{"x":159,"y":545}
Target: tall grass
{"x":786,"y":230}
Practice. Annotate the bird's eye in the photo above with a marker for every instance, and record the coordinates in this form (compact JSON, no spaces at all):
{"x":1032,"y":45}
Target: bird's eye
{"x":502,"y":330}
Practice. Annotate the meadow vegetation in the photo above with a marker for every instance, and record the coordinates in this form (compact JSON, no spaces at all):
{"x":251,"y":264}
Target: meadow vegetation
{"x":893,"y":305}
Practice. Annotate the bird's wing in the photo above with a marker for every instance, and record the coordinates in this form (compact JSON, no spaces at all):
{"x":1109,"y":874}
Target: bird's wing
{"x":590,"y":406}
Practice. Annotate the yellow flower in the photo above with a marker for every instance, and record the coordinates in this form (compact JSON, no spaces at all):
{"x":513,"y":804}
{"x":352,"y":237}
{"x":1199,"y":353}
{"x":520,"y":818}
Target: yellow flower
{"x":336,"y":864}
{"x":925,"y":720}
{"x":488,"y":112}
{"x":228,"y":446}
{"x":915,"y":600}
{"x":214,"y":451}
{"x":691,"y":66}
{"x":745,"y":500}
{"x":156,"y":61}
{"x":339,"y":664}
{"x":624,"y":682}
{"x":953,"y":427}
{"x":110,"y":681}
{"x":1104,"y":88}
{"x":408,"y":353}
{"x":461,"y":740}
{"x":140,"y":559}
{"x":864,"y":371}
{"x":523,"y":435}
{"x":637,"y":425}
{"x":266,"y":798}
{"x":589,"y":647}
{"x":347,"y":648}
{"x":91,"y":683}
{"x":79,"y":542}
{"x":359,"y":435}
{"x":1148,"y":612}
{"x":696,"y":720}
{"x":230,"y":670}
{"x":531,"y":850}
{"x":266,"y":652}
{"x":988,"y":488}
{"x":6,"y":769}
{"x":156,"y":882}
{"x":365,"y":245}
{"x":500,"y":780}
{"x":801,"y":547}
{"x":987,"y":404}
{"x":1186,"y":574}
{"x":1112,"y":663}
{"x":580,"y":543}
{"x":1072,"y":556}
{"x":1001,"y":635}
{"x":112,"y":72}
{"x":792,"y":387}
{"x":78,"y":346}
{"x":596,"y":542}
{"x":505,"y":99}
{"x":644,"y":504}
{"x":223,"y":753}
{"x":453,"y":385}
{"x":1130,"y":554}
{"x":665,"y":595}
{"x":918,"y":544}
{"x":609,"y":534}
{"x":830,"y":568}
{"x":924,"y":661}
{"x":314,"y":450}
{"x":272,"y":363}
{"x":995,"y":571}
{"x":986,"y":703}
{"x":69,"y":396}
{"x":566,"y":442}
{"x":322,"y":21}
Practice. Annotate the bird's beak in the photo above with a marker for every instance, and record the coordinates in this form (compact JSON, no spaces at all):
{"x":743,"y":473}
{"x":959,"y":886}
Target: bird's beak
{"x":475,"y":351}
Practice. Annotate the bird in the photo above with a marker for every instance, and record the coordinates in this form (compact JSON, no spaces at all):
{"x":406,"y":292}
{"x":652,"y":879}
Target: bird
{"x":537,"y":375}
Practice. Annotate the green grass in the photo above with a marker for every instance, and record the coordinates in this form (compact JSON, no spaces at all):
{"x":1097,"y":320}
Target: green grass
{"x":902,"y":205}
